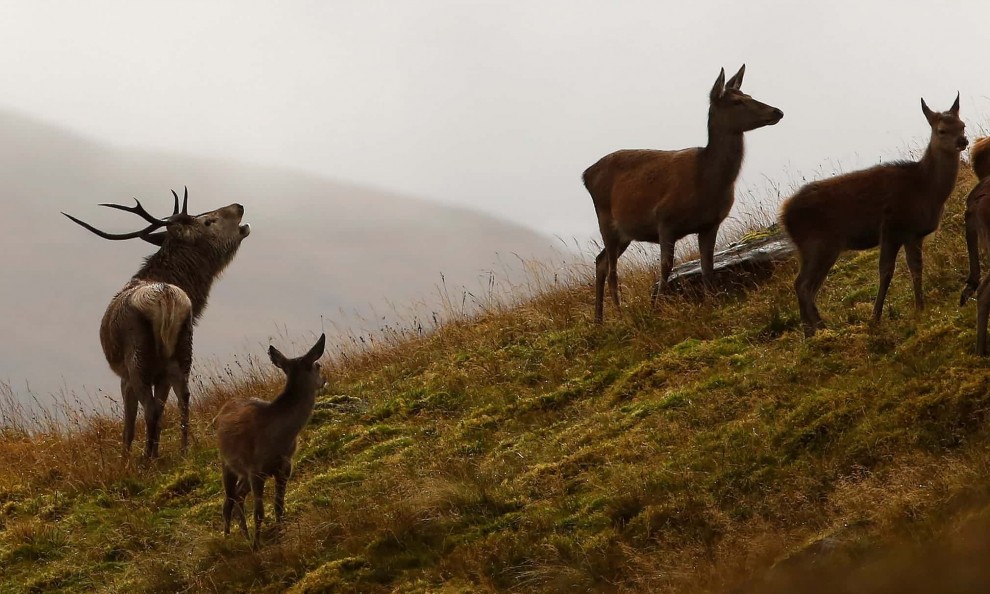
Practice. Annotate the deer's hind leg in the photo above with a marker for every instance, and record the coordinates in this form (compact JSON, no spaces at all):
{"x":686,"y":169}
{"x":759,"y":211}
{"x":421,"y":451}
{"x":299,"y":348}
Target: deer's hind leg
{"x":130,"y":413}
{"x":230,"y":498}
{"x":982,"y":315}
{"x":816,"y":261}
{"x":177,"y":372}
{"x":888,"y":258}
{"x":258,"y":492}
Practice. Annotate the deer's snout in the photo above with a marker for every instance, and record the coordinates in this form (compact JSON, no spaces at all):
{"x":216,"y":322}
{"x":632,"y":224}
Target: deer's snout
{"x":776,"y":115}
{"x":962,"y":143}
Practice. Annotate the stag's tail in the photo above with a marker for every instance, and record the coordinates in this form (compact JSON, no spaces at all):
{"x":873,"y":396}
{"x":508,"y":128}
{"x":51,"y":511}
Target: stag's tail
{"x":168,"y":308}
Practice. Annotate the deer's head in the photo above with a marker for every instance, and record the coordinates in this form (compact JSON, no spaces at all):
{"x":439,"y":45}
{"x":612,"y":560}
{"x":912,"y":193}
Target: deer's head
{"x":218,"y":232}
{"x":303,"y":371}
{"x":733,"y":110}
{"x":948,"y":131}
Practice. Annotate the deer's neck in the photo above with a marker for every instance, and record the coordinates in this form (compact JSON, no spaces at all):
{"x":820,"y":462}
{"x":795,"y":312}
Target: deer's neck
{"x":720,"y":161}
{"x":191,"y":268}
{"x":290,"y":411}
{"x":940,"y":169}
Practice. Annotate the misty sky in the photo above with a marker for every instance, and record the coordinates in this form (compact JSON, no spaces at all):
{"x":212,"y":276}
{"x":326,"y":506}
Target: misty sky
{"x":494,"y":105}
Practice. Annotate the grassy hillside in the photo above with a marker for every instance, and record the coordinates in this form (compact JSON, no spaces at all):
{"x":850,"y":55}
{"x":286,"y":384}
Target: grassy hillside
{"x":704,"y":447}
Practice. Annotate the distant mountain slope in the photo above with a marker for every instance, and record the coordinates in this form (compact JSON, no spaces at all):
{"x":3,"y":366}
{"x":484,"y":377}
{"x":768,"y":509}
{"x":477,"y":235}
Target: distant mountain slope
{"x":317,"y":247}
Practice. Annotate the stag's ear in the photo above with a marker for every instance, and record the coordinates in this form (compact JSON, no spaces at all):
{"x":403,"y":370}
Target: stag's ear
{"x":736,"y":81}
{"x":719,"y":87}
{"x":954,"y":110}
{"x":278,"y":359}
{"x":156,"y":238}
{"x":316,"y":352}
{"x":930,"y":115}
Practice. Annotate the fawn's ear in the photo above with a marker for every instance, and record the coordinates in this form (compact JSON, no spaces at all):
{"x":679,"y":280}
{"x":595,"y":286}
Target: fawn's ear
{"x":719,"y":87}
{"x":278,"y":359}
{"x":317,"y":351}
{"x":736,"y":81}
{"x":954,"y":110}
{"x":930,"y":115}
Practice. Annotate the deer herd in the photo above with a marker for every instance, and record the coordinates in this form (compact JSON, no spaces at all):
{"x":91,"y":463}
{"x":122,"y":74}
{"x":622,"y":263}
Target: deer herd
{"x":654,"y":196}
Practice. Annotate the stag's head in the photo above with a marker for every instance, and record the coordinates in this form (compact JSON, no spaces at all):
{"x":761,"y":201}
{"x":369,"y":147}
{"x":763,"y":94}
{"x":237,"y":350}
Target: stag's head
{"x":217,"y":233}
{"x":948,"y":131}
{"x":303,"y":371}
{"x":733,"y":110}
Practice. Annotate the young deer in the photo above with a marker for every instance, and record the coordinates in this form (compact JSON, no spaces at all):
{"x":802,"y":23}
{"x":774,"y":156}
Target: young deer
{"x":662,"y":196}
{"x":977,"y":225}
{"x":891,"y":205}
{"x":147,"y":330}
{"x":257,"y":438}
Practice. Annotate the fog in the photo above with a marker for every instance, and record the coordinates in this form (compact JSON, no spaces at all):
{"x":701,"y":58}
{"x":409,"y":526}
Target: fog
{"x":493,"y":105}
{"x":488,"y":106}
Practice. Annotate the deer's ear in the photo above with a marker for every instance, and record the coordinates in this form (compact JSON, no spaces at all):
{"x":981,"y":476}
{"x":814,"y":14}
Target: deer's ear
{"x":736,"y":81}
{"x":316,"y":352}
{"x":278,"y":359}
{"x":719,"y":87}
{"x":954,"y":110}
{"x":930,"y":115}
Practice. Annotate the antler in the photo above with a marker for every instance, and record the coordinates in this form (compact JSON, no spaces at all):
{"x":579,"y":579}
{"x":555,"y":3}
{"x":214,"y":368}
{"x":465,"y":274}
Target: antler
{"x":139,"y":210}
{"x":185,"y":201}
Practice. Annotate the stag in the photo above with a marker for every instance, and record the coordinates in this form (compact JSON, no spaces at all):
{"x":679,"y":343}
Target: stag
{"x":147,"y":330}
{"x":891,"y":205}
{"x":978,"y":225}
{"x":662,"y":196}
{"x":257,"y":438}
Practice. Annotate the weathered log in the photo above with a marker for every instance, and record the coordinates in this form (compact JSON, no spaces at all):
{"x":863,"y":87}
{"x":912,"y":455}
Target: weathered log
{"x":744,"y":264}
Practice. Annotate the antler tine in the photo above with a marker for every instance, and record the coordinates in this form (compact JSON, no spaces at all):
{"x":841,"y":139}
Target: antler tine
{"x":185,"y":199}
{"x":117,"y":236}
{"x":137,"y":209}
{"x":175,"y":209}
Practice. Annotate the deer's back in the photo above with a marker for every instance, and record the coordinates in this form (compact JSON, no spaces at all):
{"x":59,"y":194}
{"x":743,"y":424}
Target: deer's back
{"x":849,"y":209}
{"x":245,"y":441}
{"x":640,"y":189}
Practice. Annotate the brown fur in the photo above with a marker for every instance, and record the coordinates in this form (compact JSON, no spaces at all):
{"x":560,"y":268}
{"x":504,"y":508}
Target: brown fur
{"x":257,"y":439}
{"x":891,"y":205}
{"x":662,"y":196}
{"x":977,"y":226}
{"x":147,"y":330}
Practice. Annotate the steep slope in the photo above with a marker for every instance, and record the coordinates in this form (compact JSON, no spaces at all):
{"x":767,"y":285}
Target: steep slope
{"x":688,"y":449}
{"x":318,"y":248}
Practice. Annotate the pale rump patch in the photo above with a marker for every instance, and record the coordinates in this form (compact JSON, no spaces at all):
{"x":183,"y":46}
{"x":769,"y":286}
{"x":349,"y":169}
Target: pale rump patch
{"x":167,"y":307}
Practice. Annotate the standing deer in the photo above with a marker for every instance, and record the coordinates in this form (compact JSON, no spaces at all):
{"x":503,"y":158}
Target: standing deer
{"x":147,"y":329}
{"x":977,"y":225}
{"x":662,"y":196}
{"x":257,"y":438}
{"x":891,"y":205}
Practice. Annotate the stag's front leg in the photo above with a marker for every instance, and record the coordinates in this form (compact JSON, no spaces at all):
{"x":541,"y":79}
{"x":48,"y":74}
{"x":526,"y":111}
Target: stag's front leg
{"x":912,"y":253}
{"x":706,"y":247}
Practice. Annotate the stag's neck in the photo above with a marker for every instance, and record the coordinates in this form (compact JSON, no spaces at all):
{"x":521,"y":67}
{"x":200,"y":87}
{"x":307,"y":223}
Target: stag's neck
{"x":940,"y":169}
{"x":290,"y":411}
{"x":721,"y":159}
{"x":185,"y":267}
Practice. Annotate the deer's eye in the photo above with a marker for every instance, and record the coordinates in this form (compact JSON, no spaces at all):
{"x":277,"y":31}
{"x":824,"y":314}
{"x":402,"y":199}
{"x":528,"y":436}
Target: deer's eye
{"x":208,"y":222}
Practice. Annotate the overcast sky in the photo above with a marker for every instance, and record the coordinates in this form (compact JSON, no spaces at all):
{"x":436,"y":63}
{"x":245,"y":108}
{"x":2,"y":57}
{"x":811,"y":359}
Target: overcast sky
{"x":494,"y":105}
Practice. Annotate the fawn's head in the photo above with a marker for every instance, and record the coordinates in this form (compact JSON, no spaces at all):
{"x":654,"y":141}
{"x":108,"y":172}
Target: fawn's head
{"x":948,"y":131}
{"x":305,"y":370}
{"x":734,"y":111}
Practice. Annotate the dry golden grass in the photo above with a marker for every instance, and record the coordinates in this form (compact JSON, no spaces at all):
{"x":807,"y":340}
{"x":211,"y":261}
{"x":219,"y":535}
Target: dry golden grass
{"x":514,"y":445}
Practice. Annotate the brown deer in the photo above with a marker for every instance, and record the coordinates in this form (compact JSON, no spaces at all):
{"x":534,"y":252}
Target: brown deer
{"x":147,"y":329}
{"x":662,"y":196}
{"x":977,"y":225}
{"x":257,"y":438}
{"x":891,"y":205}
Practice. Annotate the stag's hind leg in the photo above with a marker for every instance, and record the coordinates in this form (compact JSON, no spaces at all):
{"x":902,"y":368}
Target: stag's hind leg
{"x":130,"y":414}
{"x":178,"y":377}
{"x":153,"y":410}
{"x":888,"y":258}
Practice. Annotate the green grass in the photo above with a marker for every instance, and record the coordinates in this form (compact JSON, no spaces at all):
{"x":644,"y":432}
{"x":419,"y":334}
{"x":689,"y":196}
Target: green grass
{"x":703,"y":447}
